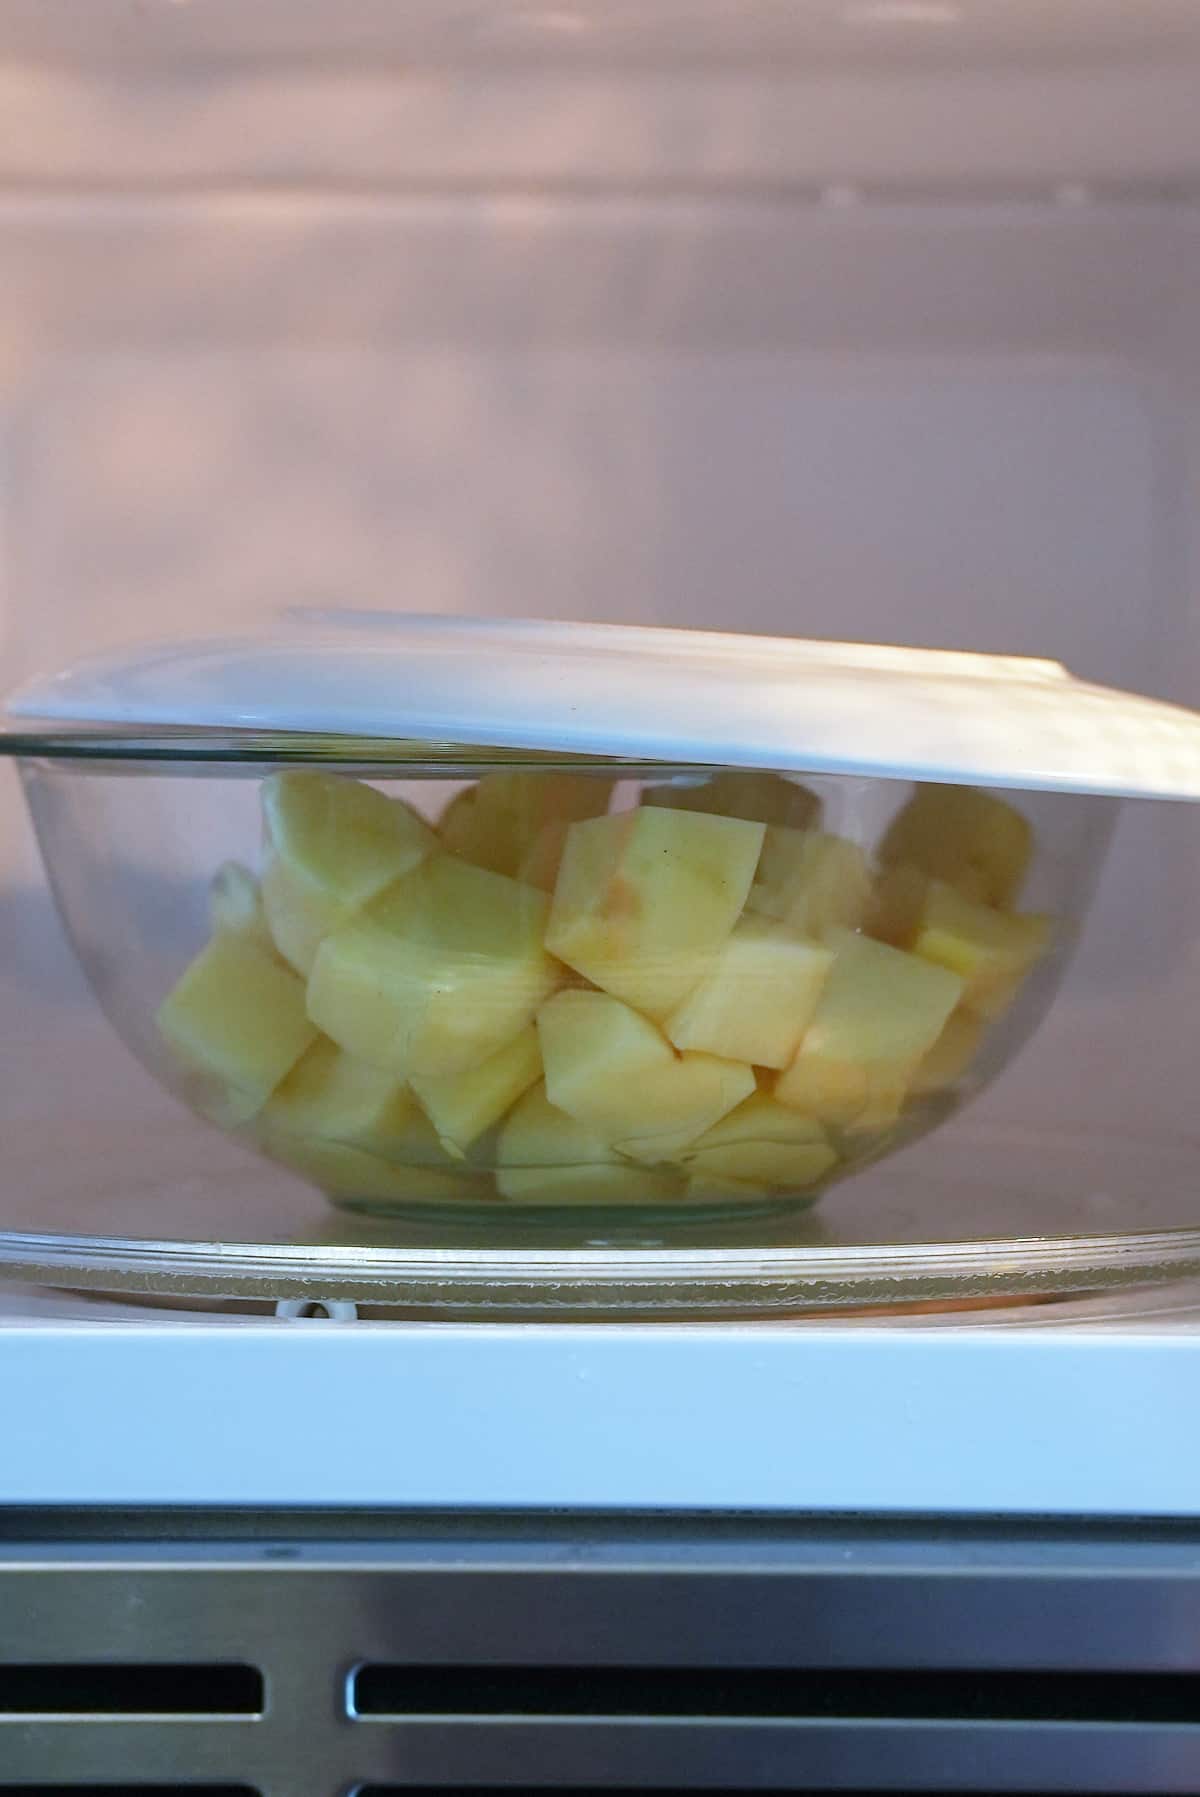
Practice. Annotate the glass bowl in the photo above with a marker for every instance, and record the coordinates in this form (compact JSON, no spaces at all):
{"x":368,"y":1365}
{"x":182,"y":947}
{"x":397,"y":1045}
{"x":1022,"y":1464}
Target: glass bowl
{"x":453,"y":985}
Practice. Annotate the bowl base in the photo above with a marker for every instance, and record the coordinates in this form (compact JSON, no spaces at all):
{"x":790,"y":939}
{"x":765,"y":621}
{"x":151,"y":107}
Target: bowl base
{"x":585,"y":1225}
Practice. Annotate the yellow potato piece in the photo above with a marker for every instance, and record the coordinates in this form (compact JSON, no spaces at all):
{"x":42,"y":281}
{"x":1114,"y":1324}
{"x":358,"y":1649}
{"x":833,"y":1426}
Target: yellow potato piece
{"x":542,"y":859}
{"x":757,"y":999}
{"x":441,"y":972}
{"x":332,"y":845}
{"x":716,"y":1188}
{"x":759,"y":798}
{"x":237,"y":1018}
{"x":356,"y":1133}
{"x":951,"y":1054}
{"x":351,"y":1174}
{"x":810,"y":881}
{"x":496,"y":822}
{"x":594,"y":1049}
{"x":645,"y":899}
{"x":894,"y":912}
{"x":682,"y":1105}
{"x":610,"y":1068}
{"x":991,"y":951}
{"x":457,"y":828}
{"x":974,"y":841}
{"x":880,"y":1013}
{"x":461,"y":1106}
{"x":332,"y":1096}
{"x":851,"y":1093}
{"x":764,"y":1144}
{"x":544,"y":1156}
{"x":410,"y":1140}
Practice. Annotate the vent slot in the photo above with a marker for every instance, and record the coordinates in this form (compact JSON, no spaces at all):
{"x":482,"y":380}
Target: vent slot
{"x":110,"y":1690}
{"x":688,"y":1693}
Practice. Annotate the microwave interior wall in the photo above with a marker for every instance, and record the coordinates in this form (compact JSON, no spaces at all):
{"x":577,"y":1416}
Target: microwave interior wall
{"x":751,"y":323}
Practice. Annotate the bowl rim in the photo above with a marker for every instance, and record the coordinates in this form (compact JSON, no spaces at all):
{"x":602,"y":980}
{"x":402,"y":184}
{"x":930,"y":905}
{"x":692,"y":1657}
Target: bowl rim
{"x":160,"y":746}
{"x":167,"y":742}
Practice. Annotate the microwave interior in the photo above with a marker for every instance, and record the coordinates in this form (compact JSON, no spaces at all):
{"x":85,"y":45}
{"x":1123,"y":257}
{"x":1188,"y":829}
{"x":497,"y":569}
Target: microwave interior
{"x":871,"y":320}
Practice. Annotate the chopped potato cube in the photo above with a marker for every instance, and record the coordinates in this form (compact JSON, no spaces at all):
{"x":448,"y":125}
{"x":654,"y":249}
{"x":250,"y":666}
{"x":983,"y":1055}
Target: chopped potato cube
{"x":810,"y":881}
{"x":330,"y":1095}
{"x":461,"y":1106}
{"x":992,"y":951}
{"x":739,"y":792}
{"x":547,"y":1157}
{"x":894,"y":913}
{"x":879,"y":1014}
{"x":458,"y":829}
{"x":543,"y":858}
{"x":593,"y":1046}
{"x":438,"y":974}
{"x":496,"y":822}
{"x":850,"y":1093}
{"x":237,"y":1017}
{"x":612,"y":1069}
{"x":950,"y":1055}
{"x":718,"y":1188}
{"x":358,"y":1134}
{"x":972,"y":840}
{"x":680,"y":1107}
{"x":645,"y":899}
{"x":763,"y":1143}
{"x":350,"y":1174}
{"x":332,"y":845}
{"x":755,"y":1002}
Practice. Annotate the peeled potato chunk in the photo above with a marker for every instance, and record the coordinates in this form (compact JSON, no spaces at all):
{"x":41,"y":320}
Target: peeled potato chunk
{"x":645,"y":898}
{"x":541,"y":861}
{"x":894,"y":912}
{"x":439,"y":973}
{"x":237,"y":1017}
{"x":461,"y":1106}
{"x":991,"y":951}
{"x":544,"y":1156}
{"x":496,"y":822}
{"x":810,"y":881}
{"x":594,"y":1048}
{"x":357,"y":1133}
{"x":950,"y":1055}
{"x":974,"y":841}
{"x":332,"y":845}
{"x":349,"y":1173}
{"x":756,"y":1001}
{"x":880,"y":1013}
{"x":718,"y":1188}
{"x":737,"y":792}
{"x":609,"y":1067}
{"x":765,"y":1144}
{"x":332,"y":1096}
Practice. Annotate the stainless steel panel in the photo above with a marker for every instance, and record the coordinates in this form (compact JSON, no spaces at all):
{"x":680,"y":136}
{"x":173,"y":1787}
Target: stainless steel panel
{"x":307,"y":1599}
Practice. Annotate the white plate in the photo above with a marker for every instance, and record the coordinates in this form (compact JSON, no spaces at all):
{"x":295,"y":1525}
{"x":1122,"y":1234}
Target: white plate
{"x":673,"y":696}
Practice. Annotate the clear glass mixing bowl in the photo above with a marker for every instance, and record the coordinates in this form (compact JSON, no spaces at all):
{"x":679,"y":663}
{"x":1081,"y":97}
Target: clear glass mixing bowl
{"x":441,"y":983}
